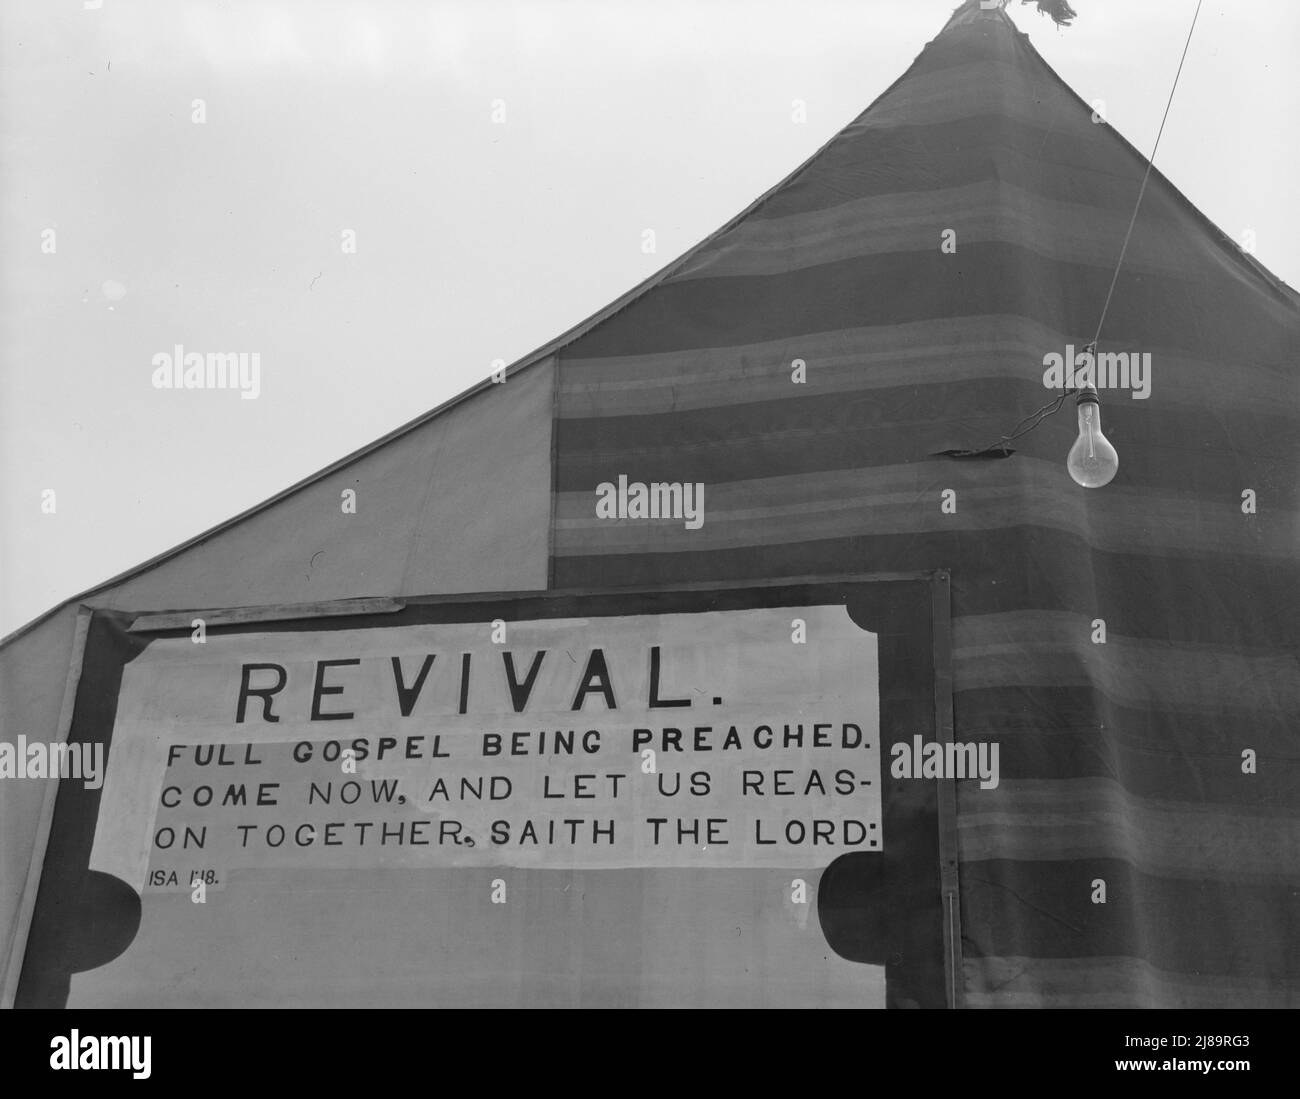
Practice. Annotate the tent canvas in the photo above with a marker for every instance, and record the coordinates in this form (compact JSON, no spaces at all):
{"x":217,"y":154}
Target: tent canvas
{"x":1158,"y":763}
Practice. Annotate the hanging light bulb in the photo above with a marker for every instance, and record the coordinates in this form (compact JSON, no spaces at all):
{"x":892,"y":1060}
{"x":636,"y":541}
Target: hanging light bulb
{"x":1092,"y":461}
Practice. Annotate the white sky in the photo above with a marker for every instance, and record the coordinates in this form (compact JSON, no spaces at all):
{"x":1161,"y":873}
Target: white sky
{"x":475,"y":241}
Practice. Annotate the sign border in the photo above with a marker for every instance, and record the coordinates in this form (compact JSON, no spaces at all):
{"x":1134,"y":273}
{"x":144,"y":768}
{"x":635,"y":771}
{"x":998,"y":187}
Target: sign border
{"x":143,"y":627}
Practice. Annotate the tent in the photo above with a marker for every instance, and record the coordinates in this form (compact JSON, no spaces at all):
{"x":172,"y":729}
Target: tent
{"x":1132,"y":651}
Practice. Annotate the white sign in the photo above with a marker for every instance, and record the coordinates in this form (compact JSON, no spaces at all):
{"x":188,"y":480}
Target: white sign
{"x":725,"y":739}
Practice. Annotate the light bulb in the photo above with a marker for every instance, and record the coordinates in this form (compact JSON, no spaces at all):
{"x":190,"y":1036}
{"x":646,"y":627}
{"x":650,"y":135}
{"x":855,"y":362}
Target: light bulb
{"x":1092,"y":461}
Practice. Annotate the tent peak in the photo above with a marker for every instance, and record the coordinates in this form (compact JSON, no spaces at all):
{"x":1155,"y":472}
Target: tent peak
{"x":1060,"y":11}
{"x":975,"y":10}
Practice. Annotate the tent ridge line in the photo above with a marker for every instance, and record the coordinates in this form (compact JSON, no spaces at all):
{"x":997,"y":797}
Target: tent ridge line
{"x":160,"y":621}
{"x":553,"y":347}
{"x":1288,"y":295}
{"x":539,"y":355}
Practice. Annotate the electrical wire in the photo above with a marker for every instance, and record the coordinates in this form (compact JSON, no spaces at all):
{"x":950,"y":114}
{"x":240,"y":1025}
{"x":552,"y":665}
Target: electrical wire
{"x":1041,"y":414}
{"x":1150,"y":164}
{"x":1055,"y":406}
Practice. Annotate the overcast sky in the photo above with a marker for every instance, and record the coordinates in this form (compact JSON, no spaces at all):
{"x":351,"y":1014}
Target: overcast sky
{"x":475,"y":240}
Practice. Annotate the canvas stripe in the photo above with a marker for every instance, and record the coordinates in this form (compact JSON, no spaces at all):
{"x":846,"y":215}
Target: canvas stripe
{"x":947,"y":155}
{"x":814,"y":434}
{"x":1139,"y":593}
{"x":1193,"y":924}
{"x":988,"y":210}
{"x":1098,"y":818}
{"x":1027,"y":648}
{"x":1062,"y":734}
{"x":943,"y":351}
{"x":1112,"y":982}
{"x":906,"y":499}
{"x":1224,"y":321}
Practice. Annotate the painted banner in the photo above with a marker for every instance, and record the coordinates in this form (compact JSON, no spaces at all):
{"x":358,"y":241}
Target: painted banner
{"x":737,"y":738}
{"x":649,"y":797}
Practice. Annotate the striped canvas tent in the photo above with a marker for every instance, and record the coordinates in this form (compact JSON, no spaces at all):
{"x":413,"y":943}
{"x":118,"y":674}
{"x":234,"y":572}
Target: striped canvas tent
{"x":1133,"y":650}
{"x":1122,"y":761}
